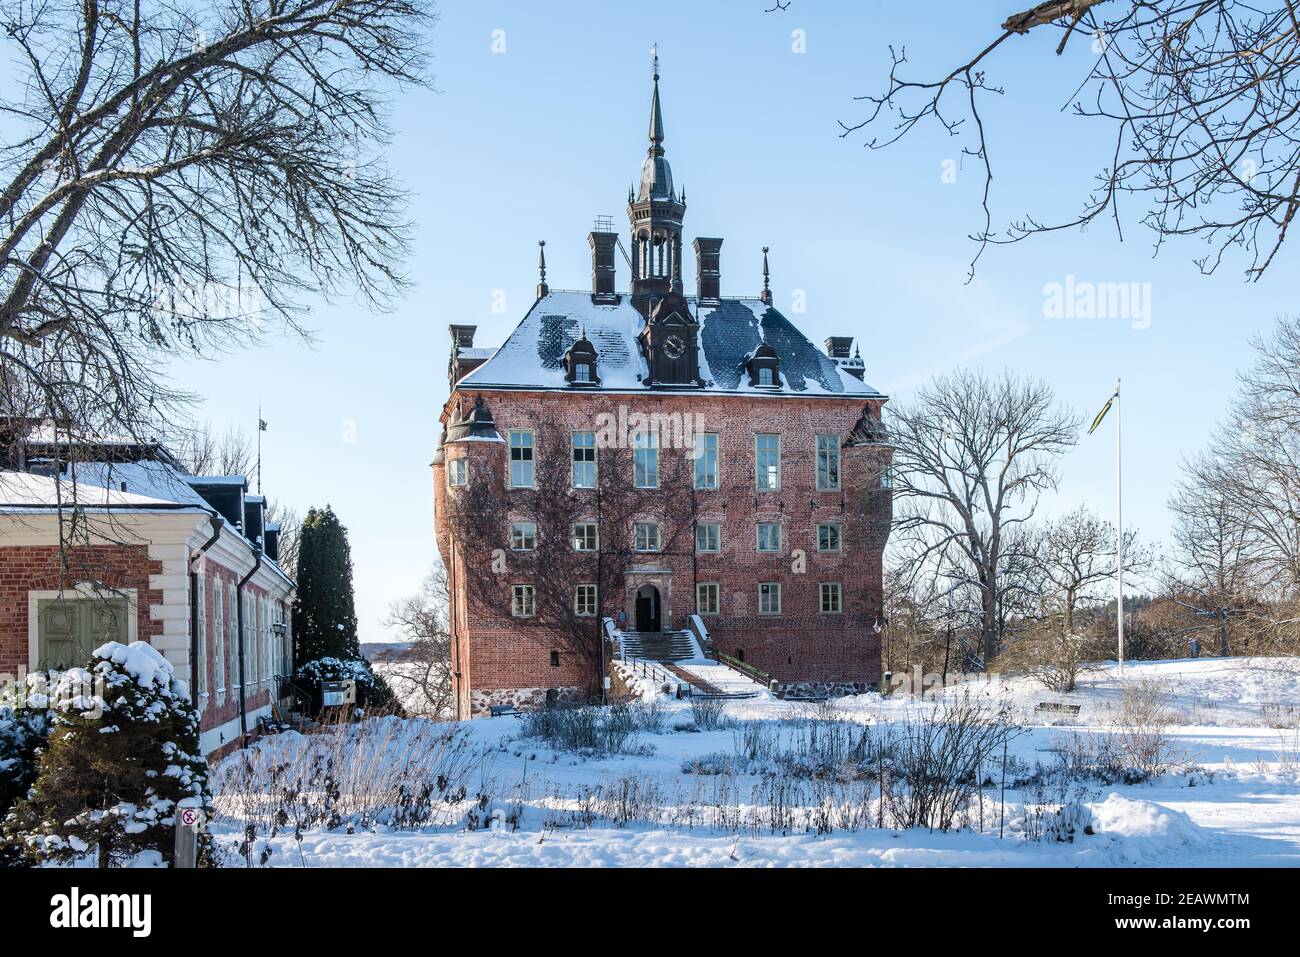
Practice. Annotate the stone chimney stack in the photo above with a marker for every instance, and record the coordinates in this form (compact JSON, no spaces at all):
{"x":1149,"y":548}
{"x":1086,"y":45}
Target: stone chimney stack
{"x":602,"y":266}
{"x":708,"y":269}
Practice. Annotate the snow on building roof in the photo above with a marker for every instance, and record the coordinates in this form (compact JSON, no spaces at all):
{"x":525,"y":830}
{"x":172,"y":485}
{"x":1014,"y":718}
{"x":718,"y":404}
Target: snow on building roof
{"x":100,"y":485}
{"x":730,"y":331}
{"x":205,"y":480}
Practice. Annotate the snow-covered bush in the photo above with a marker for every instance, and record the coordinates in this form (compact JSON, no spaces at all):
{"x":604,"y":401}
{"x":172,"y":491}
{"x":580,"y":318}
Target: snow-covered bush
{"x":122,"y":757}
{"x":594,"y":730}
{"x":373,"y":692}
{"x":707,"y":712}
{"x":23,"y":732}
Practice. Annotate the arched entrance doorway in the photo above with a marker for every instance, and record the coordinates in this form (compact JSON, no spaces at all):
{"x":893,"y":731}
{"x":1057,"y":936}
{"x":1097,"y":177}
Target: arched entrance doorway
{"x":647,"y":609}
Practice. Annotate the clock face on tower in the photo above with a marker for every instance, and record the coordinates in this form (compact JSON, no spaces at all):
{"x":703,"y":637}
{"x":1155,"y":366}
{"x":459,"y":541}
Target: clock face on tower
{"x":674,"y":347}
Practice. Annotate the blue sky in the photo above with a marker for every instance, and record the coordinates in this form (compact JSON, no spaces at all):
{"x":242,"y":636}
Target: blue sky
{"x":536,"y":141}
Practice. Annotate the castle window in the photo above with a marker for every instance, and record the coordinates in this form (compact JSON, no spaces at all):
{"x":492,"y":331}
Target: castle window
{"x":769,"y":598}
{"x":584,"y":459}
{"x":887,"y":477}
{"x":523,"y":536}
{"x":706,"y":598}
{"x":521,"y":458}
{"x":829,"y":538}
{"x":586,"y":537}
{"x":766,"y":376}
{"x":831,"y":598}
{"x":828,"y":463}
{"x":706,"y":460}
{"x":555,"y":659}
{"x":769,"y":536}
{"x":582,"y":372}
{"x":767,"y":461}
{"x":584,"y":601}
{"x":523,"y":601}
{"x":457,"y":472}
{"x":708,"y":537}
{"x":646,"y":538}
{"x":645,"y":460}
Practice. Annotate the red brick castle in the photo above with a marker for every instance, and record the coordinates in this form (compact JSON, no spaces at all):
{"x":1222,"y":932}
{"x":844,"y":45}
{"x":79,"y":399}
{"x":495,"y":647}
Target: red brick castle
{"x":647,"y":473}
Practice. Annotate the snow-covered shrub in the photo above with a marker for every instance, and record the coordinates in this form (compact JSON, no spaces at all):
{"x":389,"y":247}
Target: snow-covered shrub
{"x":373,"y":692}
{"x":122,"y":757}
{"x":707,"y":712}
{"x":594,"y":730}
{"x":23,"y":732}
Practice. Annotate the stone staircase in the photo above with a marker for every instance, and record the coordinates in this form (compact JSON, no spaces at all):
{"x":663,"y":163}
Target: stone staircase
{"x":660,"y":645}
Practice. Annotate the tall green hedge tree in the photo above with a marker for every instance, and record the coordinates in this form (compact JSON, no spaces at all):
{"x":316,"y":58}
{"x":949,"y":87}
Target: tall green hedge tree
{"x":324,"y":613}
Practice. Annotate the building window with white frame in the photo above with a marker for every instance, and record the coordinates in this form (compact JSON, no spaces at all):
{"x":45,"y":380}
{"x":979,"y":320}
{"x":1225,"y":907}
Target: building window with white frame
{"x":708,"y":537}
{"x":584,"y":460}
{"x":767,"y":461}
{"x":646,"y":537}
{"x":706,"y":460}
{"x":586,"y":537}
{"x":523,"y":536}
{"x":522,"y":445}
{"x":828,"y":463}
{"x":235,"y":639}
{"x":584,"y":601}
{"x":769,"y":598}
{"x":523,"y":601}
{"x":219,"y":638}
{"x":645,"y":460}
{"x":829,"y":537}
{"x":457,"y":472}
{"x":201,"y":637}
{"x":707,"y":598}
{"x":831,"y":598}
{"x":768,"y":536}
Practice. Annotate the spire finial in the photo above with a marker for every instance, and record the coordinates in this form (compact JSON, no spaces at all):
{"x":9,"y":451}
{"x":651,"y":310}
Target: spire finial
{"x":656,"y":117}
{"x":542,"y":288}
{"x":766,"y":295}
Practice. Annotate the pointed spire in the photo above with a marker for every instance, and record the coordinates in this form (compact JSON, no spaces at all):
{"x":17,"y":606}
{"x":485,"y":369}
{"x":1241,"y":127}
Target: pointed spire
{"x":766,"y":295}
{"x":656,"y":116}
{"x":542,"y":288}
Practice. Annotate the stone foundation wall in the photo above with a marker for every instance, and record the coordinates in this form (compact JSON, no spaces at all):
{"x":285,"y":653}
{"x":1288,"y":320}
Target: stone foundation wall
{"x":831,"y":689}
{"x":523,"y":699}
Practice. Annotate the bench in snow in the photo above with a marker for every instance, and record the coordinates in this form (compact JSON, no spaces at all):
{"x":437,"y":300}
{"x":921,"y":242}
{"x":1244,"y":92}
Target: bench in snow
{"x":501,"y":710}
{"x":1060,"y":707}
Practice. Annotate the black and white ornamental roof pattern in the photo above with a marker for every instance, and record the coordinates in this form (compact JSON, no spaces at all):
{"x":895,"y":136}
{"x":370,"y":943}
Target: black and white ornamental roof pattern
{"x":730,"y":331}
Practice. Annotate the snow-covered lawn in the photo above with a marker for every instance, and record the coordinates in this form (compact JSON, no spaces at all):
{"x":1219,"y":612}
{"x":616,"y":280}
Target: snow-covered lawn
{"x":1238,"y":803}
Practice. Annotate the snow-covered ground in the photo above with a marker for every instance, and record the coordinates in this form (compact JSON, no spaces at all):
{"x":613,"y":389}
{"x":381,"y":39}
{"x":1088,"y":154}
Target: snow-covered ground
{"x":1236,"y":803}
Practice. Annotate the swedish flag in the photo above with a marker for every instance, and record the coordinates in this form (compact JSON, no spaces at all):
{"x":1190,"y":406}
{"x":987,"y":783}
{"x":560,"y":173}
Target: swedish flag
{"x":1102,"y":414}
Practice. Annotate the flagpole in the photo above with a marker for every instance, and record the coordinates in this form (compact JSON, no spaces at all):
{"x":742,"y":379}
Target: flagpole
{"x":259,"y":449}
{"x":1119,"y":525}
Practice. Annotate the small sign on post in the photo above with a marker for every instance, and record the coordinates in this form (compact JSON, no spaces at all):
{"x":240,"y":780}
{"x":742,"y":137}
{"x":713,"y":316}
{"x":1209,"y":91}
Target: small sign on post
{"x":188,"y":821}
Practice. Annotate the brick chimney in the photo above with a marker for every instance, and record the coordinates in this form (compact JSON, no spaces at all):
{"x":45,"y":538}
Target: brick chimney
{"x":837,"y":347}
{"x":708,"y":269}
{"x":460,"y":365}
{"x":602,"y":266}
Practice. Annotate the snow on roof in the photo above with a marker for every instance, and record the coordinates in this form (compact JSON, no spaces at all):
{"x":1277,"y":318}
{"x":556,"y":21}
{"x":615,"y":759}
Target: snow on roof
{"x":100,"y":485}
{"x":205,"y":480}
{"x":730,"y":331}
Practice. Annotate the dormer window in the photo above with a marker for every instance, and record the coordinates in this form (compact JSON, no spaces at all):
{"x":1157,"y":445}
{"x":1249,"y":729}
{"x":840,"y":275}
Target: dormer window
{"x":580,"y":364}
{"x":764,"y":368}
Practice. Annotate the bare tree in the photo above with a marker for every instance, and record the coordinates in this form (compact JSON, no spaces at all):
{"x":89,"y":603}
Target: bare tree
{"x":1198,"y":98}
{"x":204,"y":453}
{"x":1077,"y":557}
{"x":972,"y":456}
{"x":182,"y":180}
{"x":290,"y":522}
{"x":480,"y":521}
{"x":421,"y":674}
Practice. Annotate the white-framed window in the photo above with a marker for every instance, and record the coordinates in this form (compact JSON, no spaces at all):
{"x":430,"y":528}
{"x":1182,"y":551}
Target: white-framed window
{"x":708,"y":537}
{"x":233,"y":624}
{"x":201,"y":638}
{"x":586,"y":536}
{"x":706,"y":460}
{"x":706,"y":598}
{"x":645,"y":460}
{"x":523,"y":601}
{"x":251,"y":661}
{"x":646,"y":537}
{"x":766,"y":376}
{"x":768,"y":536}
{"x":767,"y":461}
{"x":829,"y":537}
{"x":522,"y":447}
{"x":828,"y":463}
{"x":769,"y":598}
{"x":457,"y":472}
{"x":268,"y":658}
{"x":219,"y":638}
{"x":584,"y":601}
{"x":887,"y":477}
{"x":523,"y":536}
{"x":582,"y":372}
{"x":584,"y":459}
{"x":831,"y":598}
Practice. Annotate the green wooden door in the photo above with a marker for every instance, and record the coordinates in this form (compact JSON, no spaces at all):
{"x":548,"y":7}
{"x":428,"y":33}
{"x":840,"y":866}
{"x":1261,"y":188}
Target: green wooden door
{"x":70,"y":629}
